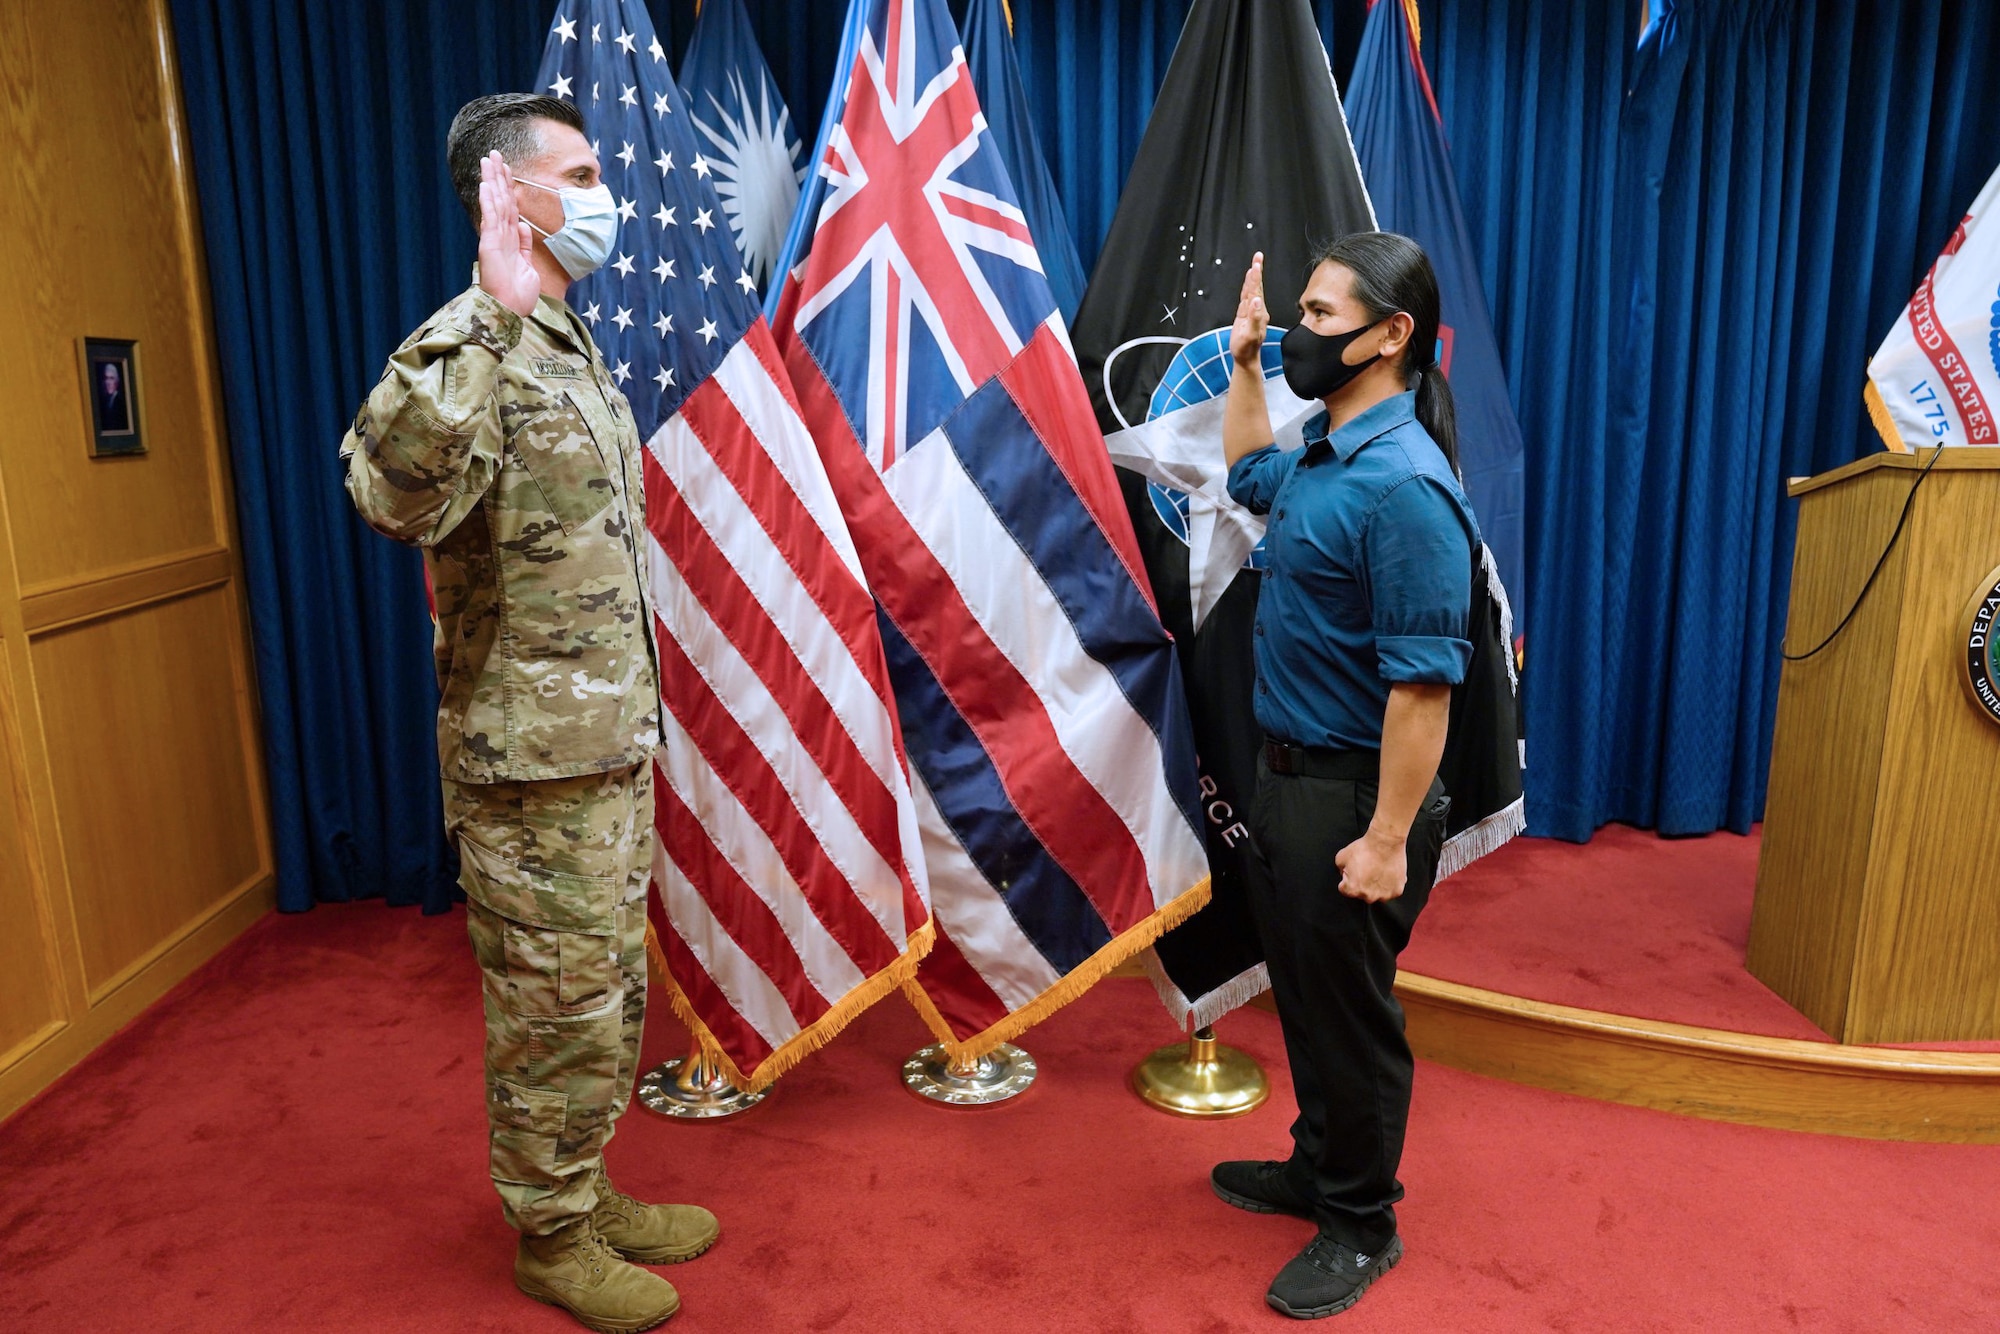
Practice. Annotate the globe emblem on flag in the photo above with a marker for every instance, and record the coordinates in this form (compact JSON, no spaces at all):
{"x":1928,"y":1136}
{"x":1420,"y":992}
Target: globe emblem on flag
{"x":1199,"y":372}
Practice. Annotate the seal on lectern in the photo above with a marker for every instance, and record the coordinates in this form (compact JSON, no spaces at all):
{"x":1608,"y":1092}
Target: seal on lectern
{"x":1977,"y":649}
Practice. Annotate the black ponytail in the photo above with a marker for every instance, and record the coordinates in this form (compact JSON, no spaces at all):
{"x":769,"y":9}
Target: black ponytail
{"x":1392,"y":273}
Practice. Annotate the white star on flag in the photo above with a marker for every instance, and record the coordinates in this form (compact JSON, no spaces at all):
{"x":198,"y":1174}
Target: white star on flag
{"x":566,"y":29}
{"x":665,"y":217}
{"x":592,"y":313}
{"x":700,"y":165}
{"x":630,"y":47}
{"x":630,"y":97}
{"x":746,"y":282}
{"x":626,"y":155}
{"x":707,"y":331}
{"x":624,"y":265}
{"x":627,"y":210}
{"x":664,"y":325}
{"x":561,"y":86}
{"x":664,"y":269}
{"x":707,"y":275}
{"x":704,"y":220}
{"x":659,"y":52}
{"x":596,"y":32}
{"x":623,"y":319}
{"x":665,"y":162}
{"x":622,"y":372}
{"x":660,"y":107}
{"x":664,"y":378}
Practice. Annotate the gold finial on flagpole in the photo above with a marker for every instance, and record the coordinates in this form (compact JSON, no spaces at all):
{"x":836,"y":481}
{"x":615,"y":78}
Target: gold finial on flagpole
{"x":693,"y":1088}
{"x":1008,"y":10}
{"x":1201,"y":1078}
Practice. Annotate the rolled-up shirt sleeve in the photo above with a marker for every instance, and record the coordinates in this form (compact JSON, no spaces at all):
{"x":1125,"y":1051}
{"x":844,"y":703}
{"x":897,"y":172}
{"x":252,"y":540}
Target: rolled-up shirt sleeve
{"x":1255,"y":478}
{"x":1417,"y":557}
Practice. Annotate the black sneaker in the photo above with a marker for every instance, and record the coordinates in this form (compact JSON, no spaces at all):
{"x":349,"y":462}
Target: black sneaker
{"x":1262,"y":1188}
{"x":1327,"y":1277}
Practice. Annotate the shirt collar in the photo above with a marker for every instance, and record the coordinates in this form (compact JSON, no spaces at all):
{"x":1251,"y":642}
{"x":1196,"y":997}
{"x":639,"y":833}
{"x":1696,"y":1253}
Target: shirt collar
{"x":1346,"y":442}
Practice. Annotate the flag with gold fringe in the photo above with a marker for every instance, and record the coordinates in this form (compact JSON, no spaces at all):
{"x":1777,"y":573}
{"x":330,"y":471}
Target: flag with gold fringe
{"x":1039,"y":695}
{"x":789,"y":889}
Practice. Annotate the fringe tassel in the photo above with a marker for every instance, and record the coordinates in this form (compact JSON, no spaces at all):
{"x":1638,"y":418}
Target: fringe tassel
{"x":1469,"y":845}
{"x":1499,"y":593}
{"x":1878,"y":413}
{"x":1238,"y":991}
{"x":1078,"y":980}
{"x":810,"y":1040}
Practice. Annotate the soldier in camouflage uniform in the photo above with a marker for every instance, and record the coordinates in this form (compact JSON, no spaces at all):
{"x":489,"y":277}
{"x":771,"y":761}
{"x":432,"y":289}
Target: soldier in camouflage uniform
{"x":498,"y":443}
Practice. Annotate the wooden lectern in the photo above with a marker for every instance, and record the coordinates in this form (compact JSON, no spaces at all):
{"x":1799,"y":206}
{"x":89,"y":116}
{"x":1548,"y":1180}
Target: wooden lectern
{"x":1878,"y":888}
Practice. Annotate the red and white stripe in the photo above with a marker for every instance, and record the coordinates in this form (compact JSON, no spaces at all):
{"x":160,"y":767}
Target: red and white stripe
{"x":790,"y":864}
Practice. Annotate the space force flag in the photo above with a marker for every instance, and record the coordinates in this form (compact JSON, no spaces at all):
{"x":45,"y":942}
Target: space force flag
{"x":745,"y":130}
{"x":1936,"y":378}
{"x":1219,"y":175}
{"x":788,"y":883}
{"x":1039,"y":695}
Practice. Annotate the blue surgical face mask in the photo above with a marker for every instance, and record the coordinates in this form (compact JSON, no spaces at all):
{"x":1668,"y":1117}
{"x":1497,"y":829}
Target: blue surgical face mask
{"x":590,"y":227}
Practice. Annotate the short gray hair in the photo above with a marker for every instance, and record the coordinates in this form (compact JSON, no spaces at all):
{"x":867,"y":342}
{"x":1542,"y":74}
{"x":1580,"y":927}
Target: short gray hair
{"x":503,"y":121}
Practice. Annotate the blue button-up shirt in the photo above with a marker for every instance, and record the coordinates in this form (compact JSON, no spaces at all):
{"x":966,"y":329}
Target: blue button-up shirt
{"x":1367,"y":577}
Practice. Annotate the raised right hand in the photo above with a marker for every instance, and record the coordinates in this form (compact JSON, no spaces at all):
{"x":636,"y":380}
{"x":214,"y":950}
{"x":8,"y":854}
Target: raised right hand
{"x":506,"y":244}
{"x":1246,"y":336}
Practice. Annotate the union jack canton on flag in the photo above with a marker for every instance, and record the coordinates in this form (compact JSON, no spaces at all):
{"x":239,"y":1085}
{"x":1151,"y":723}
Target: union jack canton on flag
{"x":789,"y":877}
{"x":1040,"y":697}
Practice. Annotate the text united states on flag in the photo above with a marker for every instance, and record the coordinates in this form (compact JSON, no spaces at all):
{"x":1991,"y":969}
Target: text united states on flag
{"x":1040,"y":698}
{"x":789,"y":878}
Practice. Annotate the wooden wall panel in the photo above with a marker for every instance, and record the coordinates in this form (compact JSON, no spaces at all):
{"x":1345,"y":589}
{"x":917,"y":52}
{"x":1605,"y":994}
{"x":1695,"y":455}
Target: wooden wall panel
{"x":134,"y":707}
{"x":96,"y":252}
{"x":126,"y":708}
{"x":30,"y":1000}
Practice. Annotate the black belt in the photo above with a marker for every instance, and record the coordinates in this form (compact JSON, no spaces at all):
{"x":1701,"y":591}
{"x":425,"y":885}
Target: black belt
{"x":1353,"y":766}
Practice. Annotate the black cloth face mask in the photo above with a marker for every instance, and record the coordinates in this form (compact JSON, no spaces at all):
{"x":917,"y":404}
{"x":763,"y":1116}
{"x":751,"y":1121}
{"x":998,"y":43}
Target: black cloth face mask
{"x":1313,"y":367}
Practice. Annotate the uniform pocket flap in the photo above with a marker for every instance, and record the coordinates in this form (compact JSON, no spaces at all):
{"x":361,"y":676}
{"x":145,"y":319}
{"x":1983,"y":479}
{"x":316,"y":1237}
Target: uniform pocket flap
{"x":537,"y":1111}
{"x":559,"y":449}
{"x":536,"y":897}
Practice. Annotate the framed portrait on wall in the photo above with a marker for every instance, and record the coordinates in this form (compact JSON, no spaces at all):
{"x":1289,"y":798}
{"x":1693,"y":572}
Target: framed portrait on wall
{"x":110,"y":369}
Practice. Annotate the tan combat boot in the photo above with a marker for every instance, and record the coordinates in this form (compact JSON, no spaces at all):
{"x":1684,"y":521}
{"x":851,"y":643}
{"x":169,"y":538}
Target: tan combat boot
{"x":652,"y":1234}
{"x":576,"y":1269}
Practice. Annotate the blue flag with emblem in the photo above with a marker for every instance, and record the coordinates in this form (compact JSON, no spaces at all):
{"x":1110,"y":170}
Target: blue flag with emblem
{"x":746,"y":131}
{"x":996,"y":77}
{"x":1399,"y":137}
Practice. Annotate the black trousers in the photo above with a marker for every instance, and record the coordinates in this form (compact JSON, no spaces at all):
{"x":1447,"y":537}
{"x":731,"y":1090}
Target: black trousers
{"x":1333,"y":960}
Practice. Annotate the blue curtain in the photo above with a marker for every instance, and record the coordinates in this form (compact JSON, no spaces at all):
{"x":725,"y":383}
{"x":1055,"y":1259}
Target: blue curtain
{"x":1687,"y":282}
{"x":317,"y":133}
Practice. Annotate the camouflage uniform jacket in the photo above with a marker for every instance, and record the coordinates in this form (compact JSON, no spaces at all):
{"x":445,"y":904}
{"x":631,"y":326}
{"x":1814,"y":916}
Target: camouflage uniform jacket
{"x":501,"y":447}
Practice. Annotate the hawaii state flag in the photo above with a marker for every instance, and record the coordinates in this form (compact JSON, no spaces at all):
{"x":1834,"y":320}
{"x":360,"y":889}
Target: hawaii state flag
{"x":1039,"y":695}
{"x":789,"y":879}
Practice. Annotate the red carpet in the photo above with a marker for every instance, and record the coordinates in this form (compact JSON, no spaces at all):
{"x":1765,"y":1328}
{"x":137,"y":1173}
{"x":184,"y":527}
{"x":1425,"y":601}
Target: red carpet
{"x":1630,"y":922}
{"x":293,"y":1141}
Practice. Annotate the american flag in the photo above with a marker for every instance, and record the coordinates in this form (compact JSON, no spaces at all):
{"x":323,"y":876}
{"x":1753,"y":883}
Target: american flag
{"x":789,"y":882}
{"x":1040,"y":698}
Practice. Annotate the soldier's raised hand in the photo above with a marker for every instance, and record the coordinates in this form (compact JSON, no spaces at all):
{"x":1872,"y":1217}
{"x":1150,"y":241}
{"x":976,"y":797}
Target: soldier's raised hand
{"x":1246,"y":336}
{"x":506,"y":243}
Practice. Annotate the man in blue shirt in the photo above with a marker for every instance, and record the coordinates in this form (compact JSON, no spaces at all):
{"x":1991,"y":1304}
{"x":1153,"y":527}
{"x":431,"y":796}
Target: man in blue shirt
{"x":1361,"y":633}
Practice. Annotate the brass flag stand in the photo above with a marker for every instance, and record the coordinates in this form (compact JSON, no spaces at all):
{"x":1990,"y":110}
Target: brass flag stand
{"x":693,"y":1089}
{"x":1202,"y":1078}
{"x":1003,"y":1073}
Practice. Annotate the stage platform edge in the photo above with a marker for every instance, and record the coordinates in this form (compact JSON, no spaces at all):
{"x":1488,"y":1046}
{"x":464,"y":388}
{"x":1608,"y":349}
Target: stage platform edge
{"x":1890,"y":1093}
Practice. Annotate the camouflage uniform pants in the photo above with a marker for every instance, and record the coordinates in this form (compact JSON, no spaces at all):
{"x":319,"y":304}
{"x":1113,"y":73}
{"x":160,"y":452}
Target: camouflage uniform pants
{"x":556,"y":874}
